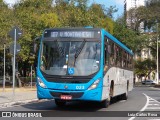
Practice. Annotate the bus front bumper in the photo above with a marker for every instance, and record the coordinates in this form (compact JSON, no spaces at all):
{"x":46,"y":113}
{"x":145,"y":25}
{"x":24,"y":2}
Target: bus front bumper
{"x":88,"y":95}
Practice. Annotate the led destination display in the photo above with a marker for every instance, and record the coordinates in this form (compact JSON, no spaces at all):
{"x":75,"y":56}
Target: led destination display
{"x":72,"y":34}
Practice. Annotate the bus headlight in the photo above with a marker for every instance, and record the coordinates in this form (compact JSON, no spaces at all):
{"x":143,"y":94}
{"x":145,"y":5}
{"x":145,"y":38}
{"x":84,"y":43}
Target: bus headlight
{"x":94,"y":85}
{"x":40,"y":82}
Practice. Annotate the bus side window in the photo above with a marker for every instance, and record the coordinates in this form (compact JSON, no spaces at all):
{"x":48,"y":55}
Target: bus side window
{"x":111,"y":53}
{"x":106,"y":55}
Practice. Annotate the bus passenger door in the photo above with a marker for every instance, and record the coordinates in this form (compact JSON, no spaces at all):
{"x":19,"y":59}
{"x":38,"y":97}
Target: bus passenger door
{"x":105,"y":92}
{"x":106,"y":55}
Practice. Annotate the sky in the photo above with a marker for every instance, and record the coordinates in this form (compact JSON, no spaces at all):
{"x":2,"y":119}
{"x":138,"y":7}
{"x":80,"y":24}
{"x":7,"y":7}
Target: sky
{"x":118,"y":3}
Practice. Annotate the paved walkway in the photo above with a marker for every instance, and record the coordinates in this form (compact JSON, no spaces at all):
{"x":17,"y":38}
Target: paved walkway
{"x":20,"y":96}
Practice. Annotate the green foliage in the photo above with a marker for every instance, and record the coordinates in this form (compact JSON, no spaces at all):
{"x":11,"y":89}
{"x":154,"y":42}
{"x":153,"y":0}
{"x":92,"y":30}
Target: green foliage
{"x":143,"y":68}
{"x":129,"y":37}
{"x":33,"y":16}
{"x":149,"y":14}
{"x":108,"y":24}
{"x":5,"y":23}
{"x":31,"y":60}
{"x":111,"y":10}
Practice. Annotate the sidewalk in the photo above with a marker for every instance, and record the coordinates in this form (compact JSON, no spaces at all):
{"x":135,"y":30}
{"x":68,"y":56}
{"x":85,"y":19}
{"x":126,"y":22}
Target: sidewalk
{"x":21,"y":96}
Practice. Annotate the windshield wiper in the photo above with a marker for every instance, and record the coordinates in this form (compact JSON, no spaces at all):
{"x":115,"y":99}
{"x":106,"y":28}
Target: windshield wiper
{"x":59,"y":48}
{"x":78,"y":51}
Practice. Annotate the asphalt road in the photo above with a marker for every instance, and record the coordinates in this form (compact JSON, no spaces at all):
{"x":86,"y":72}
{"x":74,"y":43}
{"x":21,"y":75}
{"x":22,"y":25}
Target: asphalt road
{"x":139,"y":99}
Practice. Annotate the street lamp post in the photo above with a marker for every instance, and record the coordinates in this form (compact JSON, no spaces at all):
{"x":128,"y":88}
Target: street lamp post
{"x":4,"y":79}
{"x":157,"y":57}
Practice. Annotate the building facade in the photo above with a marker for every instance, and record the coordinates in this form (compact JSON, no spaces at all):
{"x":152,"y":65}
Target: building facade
{"x":128,"y":4}
{"x":129,"y":10}
{"x":130,"y":15}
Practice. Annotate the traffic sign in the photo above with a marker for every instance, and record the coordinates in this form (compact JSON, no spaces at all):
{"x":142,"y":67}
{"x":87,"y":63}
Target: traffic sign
{"x":15,"y":33}
{"x":18,"y":33}
{"x":18,"y":48}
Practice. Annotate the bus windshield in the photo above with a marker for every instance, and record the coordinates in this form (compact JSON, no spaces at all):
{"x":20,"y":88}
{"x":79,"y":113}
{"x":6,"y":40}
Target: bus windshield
{"x":73,"y":58}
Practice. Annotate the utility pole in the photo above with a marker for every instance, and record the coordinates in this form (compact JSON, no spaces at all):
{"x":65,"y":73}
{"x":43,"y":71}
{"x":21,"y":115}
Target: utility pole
{"x":31,"y":77}
{"x":4,"y":79}
{"x":157,"y":57}
{"x":14,"y":60}
{"x":15,"y":33}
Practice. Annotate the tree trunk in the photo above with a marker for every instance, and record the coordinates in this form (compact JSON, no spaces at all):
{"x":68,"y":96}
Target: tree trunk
{"x":19,"y":80}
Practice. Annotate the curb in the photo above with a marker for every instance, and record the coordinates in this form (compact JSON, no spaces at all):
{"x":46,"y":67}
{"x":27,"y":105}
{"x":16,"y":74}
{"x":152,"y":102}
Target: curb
{"x":155,"y":88}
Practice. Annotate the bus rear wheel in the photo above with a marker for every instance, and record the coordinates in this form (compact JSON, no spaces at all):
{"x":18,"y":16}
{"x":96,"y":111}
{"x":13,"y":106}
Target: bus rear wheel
{"x":124,"y":96}
{"x":60,"y":103}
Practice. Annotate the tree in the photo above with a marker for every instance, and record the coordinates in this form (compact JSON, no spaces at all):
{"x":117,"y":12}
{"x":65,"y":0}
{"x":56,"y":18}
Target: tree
{"x":32,"y":17}
{"x":110,"y":11}
{"x":136,"y":42}
{"x":143,"y":68}
{"x":5,"y":23}
{"x":150,"y":15}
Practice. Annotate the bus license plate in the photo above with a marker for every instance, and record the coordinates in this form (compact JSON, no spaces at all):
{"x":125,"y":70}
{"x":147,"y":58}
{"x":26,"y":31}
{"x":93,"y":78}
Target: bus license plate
{"x":66,"y":97}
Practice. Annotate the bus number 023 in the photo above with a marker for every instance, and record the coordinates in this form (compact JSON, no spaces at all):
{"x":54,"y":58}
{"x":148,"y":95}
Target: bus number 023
{"x":80,"y":87}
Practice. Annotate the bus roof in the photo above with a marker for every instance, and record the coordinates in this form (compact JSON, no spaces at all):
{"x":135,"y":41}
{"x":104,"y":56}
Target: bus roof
{"x":117,"y":41}
{"x":74,"y":28}
{"x":111,"y":37}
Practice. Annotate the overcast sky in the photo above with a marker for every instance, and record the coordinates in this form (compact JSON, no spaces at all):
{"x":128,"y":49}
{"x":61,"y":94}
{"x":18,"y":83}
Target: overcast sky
{"x":118,"y":3}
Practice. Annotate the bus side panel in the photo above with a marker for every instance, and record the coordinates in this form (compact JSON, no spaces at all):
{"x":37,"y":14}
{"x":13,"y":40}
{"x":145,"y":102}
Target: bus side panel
{"x":131,"y":83}
{"x":119,"y":77}
{"x":124,"y":82}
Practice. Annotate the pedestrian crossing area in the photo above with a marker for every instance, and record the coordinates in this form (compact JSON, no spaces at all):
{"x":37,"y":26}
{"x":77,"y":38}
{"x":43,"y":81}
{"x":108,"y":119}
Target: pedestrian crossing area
{"x":153,"y":105}
{"x":151,"y":110}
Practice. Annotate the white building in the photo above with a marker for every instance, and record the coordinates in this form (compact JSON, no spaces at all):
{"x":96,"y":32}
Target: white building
{"x":10,"y":3}
{"x":133,"y":4}
{"x":130,"y":20}
{"x":130,"y":16}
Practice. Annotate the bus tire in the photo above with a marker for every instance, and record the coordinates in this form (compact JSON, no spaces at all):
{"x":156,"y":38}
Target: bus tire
{"x":125,"y":96}
{"x":60,"y":103}
{"x":105,"y":103}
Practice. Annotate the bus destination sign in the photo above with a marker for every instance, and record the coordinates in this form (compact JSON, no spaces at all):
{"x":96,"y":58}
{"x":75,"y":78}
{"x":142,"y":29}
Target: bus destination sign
{"x":72,"y":34}
{"x":78,"y":34}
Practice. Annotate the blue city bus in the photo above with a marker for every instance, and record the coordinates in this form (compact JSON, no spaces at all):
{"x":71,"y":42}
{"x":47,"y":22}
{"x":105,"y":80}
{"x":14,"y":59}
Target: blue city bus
{"x":83,"y":64}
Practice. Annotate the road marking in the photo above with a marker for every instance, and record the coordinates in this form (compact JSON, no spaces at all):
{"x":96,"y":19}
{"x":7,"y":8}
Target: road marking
{"x":153,"y":119}
{"x":154,"y":104}
{"x":132,"y":118}
{"x":153,"y":108}
{"x":151,"y":104}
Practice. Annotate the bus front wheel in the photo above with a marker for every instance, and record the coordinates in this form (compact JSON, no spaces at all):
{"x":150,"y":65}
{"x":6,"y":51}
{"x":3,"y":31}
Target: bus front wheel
{"x":105,"y":103}
{"x":60,"y":103}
